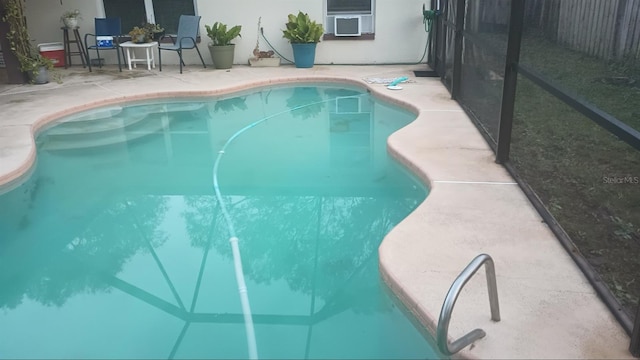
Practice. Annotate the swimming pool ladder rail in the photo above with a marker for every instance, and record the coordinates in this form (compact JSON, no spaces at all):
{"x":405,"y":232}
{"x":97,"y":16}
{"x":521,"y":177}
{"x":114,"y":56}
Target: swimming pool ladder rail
{"x":442,"y":331}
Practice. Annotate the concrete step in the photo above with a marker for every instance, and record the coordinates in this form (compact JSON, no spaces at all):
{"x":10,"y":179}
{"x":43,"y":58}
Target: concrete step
{"x":115,"y":135}
{"x":93,"y":126}
{"x":110,"y":126}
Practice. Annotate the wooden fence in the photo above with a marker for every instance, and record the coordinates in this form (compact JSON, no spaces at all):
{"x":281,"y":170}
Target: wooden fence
{"x":608,"y":29}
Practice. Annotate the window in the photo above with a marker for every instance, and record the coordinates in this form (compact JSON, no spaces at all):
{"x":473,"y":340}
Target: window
{"x":363,"y":10}
{"x":135,"y":12}
{"x":349,"y":6}
{"x":167,"y":12}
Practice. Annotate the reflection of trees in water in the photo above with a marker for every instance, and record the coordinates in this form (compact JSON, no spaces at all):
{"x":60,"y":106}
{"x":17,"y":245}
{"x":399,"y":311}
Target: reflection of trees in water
{"x":231,"y":105}
{"x":305,"y":102}
{"x":202,"y":220}
{"x":78,"y":260}
{"x":323,"y":246}
{"x":320,"y":245}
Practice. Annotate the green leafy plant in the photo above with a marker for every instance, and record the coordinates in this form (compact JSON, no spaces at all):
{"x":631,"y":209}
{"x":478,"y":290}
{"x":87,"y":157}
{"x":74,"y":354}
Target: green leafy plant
{"x":30,"y":60}
{"x":301,"y":29}
{"x":153,"y":31}
{"x":219,"y":34}
{"x":71,"y":14}
{"x":35,"y":64}
{"x":152,"y":28}
{"x":138,"y":34}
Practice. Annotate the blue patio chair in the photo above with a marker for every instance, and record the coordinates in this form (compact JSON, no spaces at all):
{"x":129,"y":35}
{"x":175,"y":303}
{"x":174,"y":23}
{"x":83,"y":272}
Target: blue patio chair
{"x":185,"y":39}
{"x":106,"y":37}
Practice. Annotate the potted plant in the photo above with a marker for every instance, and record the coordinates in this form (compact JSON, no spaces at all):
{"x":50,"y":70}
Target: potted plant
{"x":35,"y":66}
{"x":303,"y":34}
{"x":138,"y":35}
{"x":263,"y":58}
{"x":154,"y":31}
{"x":220,"y":47}
{"x":70,"y":18}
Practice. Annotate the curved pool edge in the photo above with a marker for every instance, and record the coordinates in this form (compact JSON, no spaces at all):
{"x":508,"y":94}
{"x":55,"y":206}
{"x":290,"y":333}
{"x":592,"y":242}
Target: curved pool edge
{"x":24,"y":169}
{"x":28,"y":160}
{"x":422,"y":255}
{"x":549,"y":310}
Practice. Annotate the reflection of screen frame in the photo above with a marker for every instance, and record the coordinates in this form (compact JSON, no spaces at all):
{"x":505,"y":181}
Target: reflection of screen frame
{"x":348,"y":105}
{"x":350,"y":6}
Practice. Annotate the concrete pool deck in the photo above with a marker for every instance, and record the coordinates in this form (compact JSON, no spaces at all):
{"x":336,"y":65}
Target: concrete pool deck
{"x":548,"y":308}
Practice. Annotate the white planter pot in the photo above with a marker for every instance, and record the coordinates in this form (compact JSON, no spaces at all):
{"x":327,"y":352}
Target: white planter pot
{"x":138,"y":39}
{"x":70,"y":23}
{"x":264,"y":62}
{"x":41,"y":77}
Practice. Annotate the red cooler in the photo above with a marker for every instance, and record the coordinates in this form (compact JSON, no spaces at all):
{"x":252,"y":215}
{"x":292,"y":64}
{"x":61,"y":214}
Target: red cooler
{"x":53,"y":51}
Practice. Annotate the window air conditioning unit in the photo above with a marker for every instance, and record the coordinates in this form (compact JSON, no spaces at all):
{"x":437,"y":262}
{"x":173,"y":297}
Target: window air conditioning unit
{"x":347,"y":25}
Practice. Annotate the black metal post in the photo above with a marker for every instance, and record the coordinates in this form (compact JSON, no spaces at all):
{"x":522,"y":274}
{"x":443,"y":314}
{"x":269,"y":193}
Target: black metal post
{"x":516,"y":25}
{"x":457,"y":50}
{"x":634,"y":347}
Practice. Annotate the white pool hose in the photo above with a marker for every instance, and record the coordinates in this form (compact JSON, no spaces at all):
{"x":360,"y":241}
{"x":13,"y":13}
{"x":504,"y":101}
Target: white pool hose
{"x":237,"y":261}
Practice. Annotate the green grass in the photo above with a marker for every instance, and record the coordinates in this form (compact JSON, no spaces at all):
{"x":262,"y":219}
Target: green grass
{"x":570,"y":162}
{"x":574,"y":165}
{"x":588,"y":77}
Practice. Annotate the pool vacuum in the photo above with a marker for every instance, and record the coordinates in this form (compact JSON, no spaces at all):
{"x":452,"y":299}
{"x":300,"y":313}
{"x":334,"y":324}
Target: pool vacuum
{"x":394,"y":84}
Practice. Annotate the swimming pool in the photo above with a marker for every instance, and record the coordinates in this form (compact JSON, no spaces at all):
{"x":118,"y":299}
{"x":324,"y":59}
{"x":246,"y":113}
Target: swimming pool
{"x":117,"y":246}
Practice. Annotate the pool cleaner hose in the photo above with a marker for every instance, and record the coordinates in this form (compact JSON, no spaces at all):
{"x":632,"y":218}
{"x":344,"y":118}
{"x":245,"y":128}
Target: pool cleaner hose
{"x":233,"y":240}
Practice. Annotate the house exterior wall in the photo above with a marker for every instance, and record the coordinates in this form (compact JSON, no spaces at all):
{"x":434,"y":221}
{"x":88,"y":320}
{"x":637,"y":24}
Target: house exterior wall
{"x":399,"y":32}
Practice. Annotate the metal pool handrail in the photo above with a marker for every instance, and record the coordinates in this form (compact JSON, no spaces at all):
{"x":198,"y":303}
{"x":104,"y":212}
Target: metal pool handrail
{"x":452,"y":295}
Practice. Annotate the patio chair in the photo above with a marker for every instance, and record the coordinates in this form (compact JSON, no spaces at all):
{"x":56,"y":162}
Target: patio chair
{"x":106,"y":37}
{"x":185,"y":39}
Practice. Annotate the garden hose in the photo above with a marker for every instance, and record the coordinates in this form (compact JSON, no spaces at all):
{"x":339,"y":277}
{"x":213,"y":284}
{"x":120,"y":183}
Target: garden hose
{"x":428,"y":16}
{"x":427,"y":19}
{"x":271,"y":46}
{"x":252,"y":347}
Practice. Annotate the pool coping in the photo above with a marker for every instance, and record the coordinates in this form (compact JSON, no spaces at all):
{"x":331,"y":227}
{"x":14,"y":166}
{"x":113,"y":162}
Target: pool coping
{"x":468,"y":177}
{"x":49,"y":119}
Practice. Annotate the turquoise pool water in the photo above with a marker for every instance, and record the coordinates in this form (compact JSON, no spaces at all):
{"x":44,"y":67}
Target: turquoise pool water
{"x":117,"y":245}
